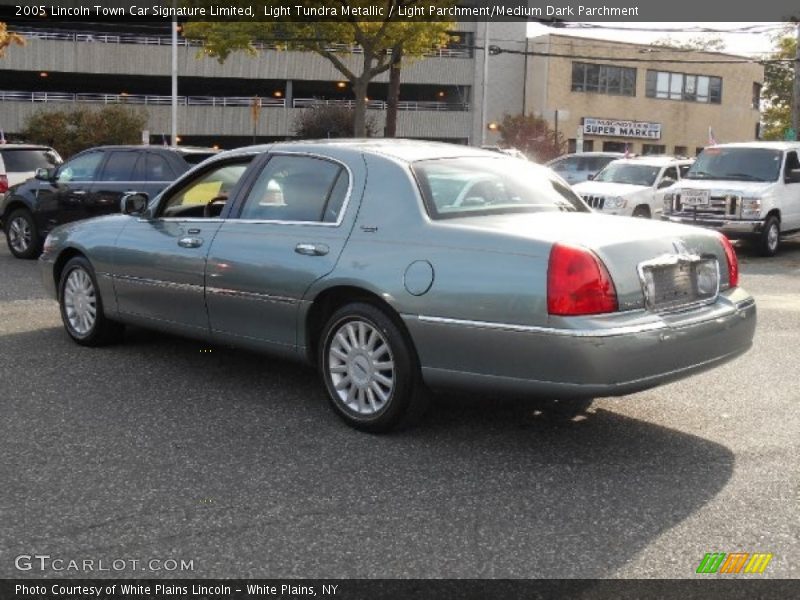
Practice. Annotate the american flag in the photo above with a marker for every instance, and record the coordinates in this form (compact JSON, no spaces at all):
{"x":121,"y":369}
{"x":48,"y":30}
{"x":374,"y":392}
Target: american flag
{"x":2,"y":137}
{"x":712,"y":141}
{"x":627,"y":151}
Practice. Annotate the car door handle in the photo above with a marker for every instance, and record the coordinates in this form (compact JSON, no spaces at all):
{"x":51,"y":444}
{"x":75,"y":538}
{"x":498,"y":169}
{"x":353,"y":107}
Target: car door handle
{"x":190,"y":242}
{"x":312,"y":249}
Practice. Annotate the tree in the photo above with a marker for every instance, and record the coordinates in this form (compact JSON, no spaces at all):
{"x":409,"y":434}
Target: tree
{"x":334,"y":39}
{"x":74,"y":129}
{"x":778,"y":89}
{"x":532,"y":136}
{"x":328,"y":121}
{"x":7,"y":38}
{"x":702,"y":43}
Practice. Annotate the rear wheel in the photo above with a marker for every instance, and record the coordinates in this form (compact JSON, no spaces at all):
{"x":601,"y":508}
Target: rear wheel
{"x":22,"y":235}
{"x":770,"y":237}
{"x":370,"y":371}
{"x":82,"y":307}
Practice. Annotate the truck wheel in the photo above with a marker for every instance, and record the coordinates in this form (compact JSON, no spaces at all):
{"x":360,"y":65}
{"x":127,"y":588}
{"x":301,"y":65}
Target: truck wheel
{"x":642,"y":212}
{"x":770,"y":237}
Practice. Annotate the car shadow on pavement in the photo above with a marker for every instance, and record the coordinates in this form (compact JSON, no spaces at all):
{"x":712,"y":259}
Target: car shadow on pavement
{"x":161,"y":447}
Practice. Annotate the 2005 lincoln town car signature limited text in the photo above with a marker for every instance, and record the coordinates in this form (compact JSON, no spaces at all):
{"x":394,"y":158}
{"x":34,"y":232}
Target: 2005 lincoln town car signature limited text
{"x":397,"y":266}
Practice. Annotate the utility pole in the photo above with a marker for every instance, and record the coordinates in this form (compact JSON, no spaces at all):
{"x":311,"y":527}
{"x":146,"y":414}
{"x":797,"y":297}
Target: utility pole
{"x":174,"y":126}
{"x":485,"y":86}
{"x":796,"y":92}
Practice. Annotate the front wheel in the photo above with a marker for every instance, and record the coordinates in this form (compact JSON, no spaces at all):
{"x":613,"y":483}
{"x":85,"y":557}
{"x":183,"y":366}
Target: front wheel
{"x":370,"y":370}
{"x":770,"y":237}
{"x":82,"y":307}
{"x":22,"y":236}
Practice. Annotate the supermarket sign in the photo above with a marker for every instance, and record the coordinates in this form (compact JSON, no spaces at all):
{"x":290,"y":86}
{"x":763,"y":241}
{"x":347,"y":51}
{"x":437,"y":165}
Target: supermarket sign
{"x":626,"y":129}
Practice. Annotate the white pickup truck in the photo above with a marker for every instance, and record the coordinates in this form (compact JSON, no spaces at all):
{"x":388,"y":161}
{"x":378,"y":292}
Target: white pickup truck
{"x":746,"y":191}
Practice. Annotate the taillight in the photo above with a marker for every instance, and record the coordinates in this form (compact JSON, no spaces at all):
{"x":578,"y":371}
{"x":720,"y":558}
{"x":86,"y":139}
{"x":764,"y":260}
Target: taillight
{"x":733,"y":262}
{"x":578,"y":283}
{"x":3,"y":184}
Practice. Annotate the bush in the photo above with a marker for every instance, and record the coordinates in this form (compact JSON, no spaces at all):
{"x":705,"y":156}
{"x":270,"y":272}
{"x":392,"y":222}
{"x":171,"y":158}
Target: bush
{"x":328,"y":121}
{"x":74,"y":129}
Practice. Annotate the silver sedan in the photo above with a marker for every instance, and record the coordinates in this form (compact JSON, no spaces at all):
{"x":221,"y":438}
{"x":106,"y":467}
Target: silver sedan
{"x":398,"y":266}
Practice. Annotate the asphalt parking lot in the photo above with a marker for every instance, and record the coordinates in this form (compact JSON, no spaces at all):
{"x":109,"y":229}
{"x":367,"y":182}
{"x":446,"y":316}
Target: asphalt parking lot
{"x":167,"y":449}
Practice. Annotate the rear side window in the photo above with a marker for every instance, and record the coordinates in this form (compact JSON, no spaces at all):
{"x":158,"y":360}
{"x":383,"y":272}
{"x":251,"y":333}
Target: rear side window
{"x":27,"y":160}
{"x":119,"y":166}
{"x":297,"y":189}
{"x":157,"y":169}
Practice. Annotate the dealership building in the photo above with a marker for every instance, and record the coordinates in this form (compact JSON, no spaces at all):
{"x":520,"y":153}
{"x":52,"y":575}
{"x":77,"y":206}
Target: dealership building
{"x":598,"y":94}
{"x":605,"y":95}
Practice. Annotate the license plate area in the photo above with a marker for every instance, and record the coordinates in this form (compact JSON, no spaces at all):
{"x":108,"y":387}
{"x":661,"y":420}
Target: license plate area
{"x":695,"y":198}
{"x":679,"y":282}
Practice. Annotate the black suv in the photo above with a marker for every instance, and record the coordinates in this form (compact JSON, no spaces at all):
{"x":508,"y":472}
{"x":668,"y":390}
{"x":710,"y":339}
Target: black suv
{"x":90,"y":184}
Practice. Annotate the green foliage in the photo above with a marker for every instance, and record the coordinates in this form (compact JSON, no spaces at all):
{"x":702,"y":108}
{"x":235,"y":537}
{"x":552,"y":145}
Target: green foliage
{"x":74,"y":129}
{"x":331,"y":39}
{"x":778,"y":89}
{"x":704,"y":43}
{"x":532,"y":136}
{"x":328,"y":121}
{"x":7,"y":38}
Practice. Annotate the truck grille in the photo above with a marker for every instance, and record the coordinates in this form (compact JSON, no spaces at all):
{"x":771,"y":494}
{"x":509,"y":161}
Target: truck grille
{"x":718,"y":205}
{"x":594,"y":201}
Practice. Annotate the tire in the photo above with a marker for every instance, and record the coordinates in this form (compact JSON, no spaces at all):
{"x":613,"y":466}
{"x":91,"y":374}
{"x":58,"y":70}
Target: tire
{"x":641,"y":212}
{"x":22,"y":235}
{"x":769,"y":241}
{"x":82,"y":307}
{"x":370,"y":370}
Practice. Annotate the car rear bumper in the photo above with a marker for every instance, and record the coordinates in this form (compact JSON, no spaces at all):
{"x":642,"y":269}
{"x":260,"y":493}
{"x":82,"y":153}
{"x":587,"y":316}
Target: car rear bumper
{"x":612,"y":356}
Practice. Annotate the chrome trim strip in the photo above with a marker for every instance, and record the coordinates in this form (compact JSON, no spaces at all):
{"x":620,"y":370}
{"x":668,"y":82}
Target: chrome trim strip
{"x":251,"y":295}
{"x":610,"y":332}
{"x":159,"y":283}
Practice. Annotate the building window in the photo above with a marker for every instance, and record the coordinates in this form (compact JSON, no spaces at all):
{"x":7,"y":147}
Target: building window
{"x":681,"y":151}
{"x":572,"y":145}
{"x":603,"y":79}
{"x":756,"y":95}
{"x":653,"y":149}
{"x":698,"y":150}
{"x":682,"y":86}
{"x":617,"y":147}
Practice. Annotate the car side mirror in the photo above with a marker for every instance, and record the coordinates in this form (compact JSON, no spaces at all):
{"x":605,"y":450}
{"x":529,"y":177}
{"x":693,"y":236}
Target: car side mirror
{"x":792,"y":176}
{"x":134,"y":203}
{"x":43,"y":174}
{"x":666,"y":182}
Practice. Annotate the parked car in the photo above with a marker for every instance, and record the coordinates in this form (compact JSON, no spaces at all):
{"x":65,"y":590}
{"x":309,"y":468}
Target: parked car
{"x":581,"y":167}
{"x":356,"y":256}
{"x":88,"y":185}
{"x":19,"y":162}
{"x":633,"y":187}
{"x":747,"y":191}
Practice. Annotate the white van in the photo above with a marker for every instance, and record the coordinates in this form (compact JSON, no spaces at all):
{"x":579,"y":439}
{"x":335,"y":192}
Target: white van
{"x":18,"y":163}
{"x":747,"y":191}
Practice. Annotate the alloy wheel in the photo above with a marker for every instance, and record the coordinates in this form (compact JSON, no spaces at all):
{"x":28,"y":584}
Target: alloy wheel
{"x":80,"y":301}
{"x":20,"y":234}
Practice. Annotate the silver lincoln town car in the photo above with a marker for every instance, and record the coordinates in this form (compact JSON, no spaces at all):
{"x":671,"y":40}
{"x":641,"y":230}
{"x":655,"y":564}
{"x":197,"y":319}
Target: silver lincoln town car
{"x":398,"y":266}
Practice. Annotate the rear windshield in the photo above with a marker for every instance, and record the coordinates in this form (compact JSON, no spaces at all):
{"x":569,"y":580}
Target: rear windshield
{"x":28,"y":160}
{"x":461,"y":187}
{"x":737,"y":164}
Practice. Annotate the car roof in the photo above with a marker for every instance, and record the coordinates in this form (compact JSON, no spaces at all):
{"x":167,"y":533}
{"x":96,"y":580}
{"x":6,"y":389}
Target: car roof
{"x":403,"y":150}
{"x":24,"y":147}
{"x":655,"y":161}
{"x":765,"y":145}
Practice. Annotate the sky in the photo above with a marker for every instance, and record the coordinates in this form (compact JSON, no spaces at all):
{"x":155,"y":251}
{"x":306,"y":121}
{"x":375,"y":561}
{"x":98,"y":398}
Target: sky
{"x":748,"y":44}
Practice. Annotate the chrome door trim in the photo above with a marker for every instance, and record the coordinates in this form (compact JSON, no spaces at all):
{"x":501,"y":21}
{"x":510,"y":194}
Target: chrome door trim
{"x":251,"y":295}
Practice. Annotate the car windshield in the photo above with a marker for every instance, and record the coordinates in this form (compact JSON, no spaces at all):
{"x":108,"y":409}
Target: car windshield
{"x":628,"y":173}
{"x":29,"y":159}
{"x":458,"y":187}
{"x":737,"y":164}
